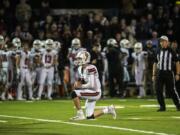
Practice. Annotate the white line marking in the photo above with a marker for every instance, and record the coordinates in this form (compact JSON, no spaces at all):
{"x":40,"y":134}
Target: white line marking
{"x":3,"y":121}
{"x":134,"y":118}
{"x":151,"y":99}
{"x":155,"y":105}
{"x":87,"y":125}
{"x":101,"y":107}
{"x":29,"y":101}
{"x":123,"y":100}
{"x":175,"y":117}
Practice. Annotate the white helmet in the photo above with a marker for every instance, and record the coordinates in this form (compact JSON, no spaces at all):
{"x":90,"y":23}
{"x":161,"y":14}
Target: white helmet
{"x":1,"y":40}
{"x":37,"y":44}
{"x":57,"y":45}
{"x":82,"y":57}
{"x":112,"y":42}
{"x":138,"y":47}
{"x":125,"y":43}
{"x":76,"y":43}
{"x":17,"y":42}
{"x":49,"y":43}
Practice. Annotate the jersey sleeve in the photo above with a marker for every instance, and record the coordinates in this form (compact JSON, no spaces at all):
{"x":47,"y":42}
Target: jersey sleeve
{"x":92,"y":70}
{"x":91,"y":73}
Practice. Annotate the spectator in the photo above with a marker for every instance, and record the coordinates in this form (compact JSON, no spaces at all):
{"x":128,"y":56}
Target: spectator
{"x":89,"y":40}
{"x":170,"y":30}
{"x":2,"y":24}
{"x":128,"y":7}
{"x":23,"y":12}
{"x":53,"y":32}
{"x":8,"y":15}
{"x":142,"y":30}
{"x":154,"y":39}
{"x":114,"y":26}
{"x":17,"y":31}
{"x":44,"y":9}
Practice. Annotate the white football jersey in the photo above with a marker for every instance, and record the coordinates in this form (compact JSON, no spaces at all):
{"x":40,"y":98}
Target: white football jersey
{"x":139,"y":59}
{"x":11,"y":59}
{"x":89,"y":77}
{"x":125,"y":58}
{"x":4,"y":59}
{"x":48,"y":58}
{"x":24,"y":59}
{"x":72,"y":54}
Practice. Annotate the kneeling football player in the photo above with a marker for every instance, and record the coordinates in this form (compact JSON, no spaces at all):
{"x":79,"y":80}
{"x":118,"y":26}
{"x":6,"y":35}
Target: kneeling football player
{"x":88,"y":87}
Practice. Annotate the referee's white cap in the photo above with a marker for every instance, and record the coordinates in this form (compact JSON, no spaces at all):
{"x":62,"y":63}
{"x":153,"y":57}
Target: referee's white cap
{"x":163,"y":37}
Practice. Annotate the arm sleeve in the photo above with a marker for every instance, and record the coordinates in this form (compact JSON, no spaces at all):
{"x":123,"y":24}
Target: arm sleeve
{"x":43,"y":59}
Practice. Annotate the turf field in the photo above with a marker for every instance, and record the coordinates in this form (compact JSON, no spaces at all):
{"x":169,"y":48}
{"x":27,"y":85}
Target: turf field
{"x":135,"y":117}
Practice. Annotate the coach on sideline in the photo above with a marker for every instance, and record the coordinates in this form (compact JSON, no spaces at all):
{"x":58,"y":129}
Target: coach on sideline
{"x":164,"y":75}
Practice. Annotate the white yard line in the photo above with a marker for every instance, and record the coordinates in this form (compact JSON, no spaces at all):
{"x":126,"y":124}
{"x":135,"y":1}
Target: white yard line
{"x":87,"y":125}
{"x":3,"y":121}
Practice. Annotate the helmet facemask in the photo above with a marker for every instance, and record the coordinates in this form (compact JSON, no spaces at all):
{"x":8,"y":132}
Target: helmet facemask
{"x":82,"y":58}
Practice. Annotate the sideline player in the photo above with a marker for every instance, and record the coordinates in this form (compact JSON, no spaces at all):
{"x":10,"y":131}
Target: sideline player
{"x":25,"y":72}
{"x":72,"y":52}
{"x":139,"y":67}
{"x":88,"y":87}
{"x":47,"y":72}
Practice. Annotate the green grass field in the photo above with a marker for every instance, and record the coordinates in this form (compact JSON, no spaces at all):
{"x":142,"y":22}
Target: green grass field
{"x":52,"y":118}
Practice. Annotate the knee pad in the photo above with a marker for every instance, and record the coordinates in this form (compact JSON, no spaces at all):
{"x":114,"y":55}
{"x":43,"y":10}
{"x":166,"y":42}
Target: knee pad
{"x":73,"y":94}
{"x":91,"y":117}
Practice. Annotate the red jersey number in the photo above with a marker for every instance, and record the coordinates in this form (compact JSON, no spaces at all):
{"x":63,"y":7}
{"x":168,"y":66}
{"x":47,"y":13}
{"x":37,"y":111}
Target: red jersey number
{"x":48,"y":59}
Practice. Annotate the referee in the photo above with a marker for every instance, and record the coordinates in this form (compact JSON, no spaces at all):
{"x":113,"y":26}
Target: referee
{"x":164,"y":75}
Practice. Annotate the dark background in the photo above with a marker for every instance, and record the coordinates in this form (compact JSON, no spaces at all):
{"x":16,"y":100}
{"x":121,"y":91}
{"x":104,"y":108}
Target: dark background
{"x":92,"y":3}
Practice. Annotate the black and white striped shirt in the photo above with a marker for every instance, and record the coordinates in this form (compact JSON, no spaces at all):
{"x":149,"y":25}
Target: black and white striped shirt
{"x":166,"y":59}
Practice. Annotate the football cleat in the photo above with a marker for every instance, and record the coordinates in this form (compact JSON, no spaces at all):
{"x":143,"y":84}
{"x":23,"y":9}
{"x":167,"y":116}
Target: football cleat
{"x":79,"y":116}
{"x":10,"y":97}
{"x":111,"y":110}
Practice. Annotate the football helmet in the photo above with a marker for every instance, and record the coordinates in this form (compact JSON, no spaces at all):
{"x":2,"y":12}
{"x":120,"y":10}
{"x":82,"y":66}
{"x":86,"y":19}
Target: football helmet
{"x":149,"y":42}
{"x":125,"y":43}
{"x":1,"y":40}
{"x":49,"y":43}
{"x":37,"y":44}
{"x":138,"y":47}
{"x":57,"y":45}
{"x":82,"y":57}
{"x":76,"y":43}
{"x":17,"y":42}
{"x":112,"y":42}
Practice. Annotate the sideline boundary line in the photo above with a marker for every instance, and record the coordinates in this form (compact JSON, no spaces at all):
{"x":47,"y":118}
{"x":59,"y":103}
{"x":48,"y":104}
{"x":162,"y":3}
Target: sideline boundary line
{"x":86,"y":125}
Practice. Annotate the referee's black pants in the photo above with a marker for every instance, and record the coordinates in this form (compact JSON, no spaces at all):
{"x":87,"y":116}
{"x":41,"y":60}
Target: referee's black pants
{"x":166,"y":78}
